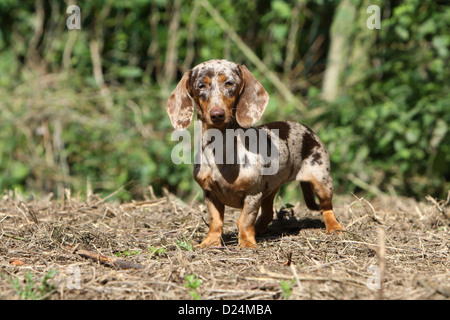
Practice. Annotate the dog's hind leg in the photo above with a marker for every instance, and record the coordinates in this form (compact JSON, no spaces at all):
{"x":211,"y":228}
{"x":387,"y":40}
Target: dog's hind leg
{"x":266,"y":215}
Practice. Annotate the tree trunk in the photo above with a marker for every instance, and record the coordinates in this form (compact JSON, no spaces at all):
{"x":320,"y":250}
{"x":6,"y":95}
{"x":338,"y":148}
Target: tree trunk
{"x":341,"y":34}
{"x":350,"y":44}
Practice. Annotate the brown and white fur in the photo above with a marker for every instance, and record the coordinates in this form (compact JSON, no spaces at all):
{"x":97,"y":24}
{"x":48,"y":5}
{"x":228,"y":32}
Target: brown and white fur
{"x":228,"y":96}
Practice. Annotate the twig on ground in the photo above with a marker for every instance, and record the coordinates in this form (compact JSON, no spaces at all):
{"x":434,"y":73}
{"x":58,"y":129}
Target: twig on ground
{"x":371,"y":213}
{"x":381,"y":259}
{"x":109,"y":261}
{"x":110,"y":195}
{"x":440,"y":206}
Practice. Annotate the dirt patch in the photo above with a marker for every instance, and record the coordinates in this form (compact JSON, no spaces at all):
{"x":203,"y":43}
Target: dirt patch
{"x":146,"y":250}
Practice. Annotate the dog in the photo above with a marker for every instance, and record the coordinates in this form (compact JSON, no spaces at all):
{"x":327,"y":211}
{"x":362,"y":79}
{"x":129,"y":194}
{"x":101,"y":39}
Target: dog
{"x":228,"y":97}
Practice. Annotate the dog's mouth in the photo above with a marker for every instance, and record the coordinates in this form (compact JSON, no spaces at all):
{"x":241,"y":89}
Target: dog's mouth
{"x":218,"y":124}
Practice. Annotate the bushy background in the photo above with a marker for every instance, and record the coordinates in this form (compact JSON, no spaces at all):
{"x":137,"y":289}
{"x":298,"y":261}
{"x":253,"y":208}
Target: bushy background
{"x":85,"y":108}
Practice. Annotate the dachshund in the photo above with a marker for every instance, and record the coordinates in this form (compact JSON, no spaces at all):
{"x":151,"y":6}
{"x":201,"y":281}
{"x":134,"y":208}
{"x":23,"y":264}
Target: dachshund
{"x":228,"y":98}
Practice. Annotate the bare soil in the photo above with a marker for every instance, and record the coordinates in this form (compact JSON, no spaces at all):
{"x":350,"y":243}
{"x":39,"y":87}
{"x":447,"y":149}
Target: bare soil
{"x":393,"y":248}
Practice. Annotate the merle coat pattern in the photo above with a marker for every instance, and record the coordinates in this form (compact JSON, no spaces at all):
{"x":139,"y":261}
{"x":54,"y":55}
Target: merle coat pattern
{"x":227,"y":96}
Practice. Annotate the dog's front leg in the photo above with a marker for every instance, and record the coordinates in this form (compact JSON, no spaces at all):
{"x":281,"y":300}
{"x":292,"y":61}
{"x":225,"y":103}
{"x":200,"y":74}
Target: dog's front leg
{"x":216,"y":212}
{"x":246,"y":222}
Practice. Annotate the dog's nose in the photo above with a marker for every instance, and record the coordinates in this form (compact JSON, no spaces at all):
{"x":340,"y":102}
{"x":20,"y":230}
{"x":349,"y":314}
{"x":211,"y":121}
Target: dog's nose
{"x":217,"y":115}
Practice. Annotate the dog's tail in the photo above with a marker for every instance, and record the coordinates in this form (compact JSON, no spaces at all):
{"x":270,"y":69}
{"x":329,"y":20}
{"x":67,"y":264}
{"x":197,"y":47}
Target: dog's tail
{"x":308,"y":194}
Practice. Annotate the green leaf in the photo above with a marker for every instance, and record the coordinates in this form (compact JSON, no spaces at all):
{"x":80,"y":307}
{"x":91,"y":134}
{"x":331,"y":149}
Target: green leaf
{"x":402,"y":32}
{"x":281,"y":9}
{"x":185,"y":245}
{"x":130,"y":72}
{"x":441,"y":44}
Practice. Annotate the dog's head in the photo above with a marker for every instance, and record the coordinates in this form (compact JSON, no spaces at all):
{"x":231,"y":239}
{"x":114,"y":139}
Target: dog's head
{"x":222,"y":91}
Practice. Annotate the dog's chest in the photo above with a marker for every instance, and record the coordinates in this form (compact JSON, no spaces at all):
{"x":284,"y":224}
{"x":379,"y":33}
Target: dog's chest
{"x":229,"y":182}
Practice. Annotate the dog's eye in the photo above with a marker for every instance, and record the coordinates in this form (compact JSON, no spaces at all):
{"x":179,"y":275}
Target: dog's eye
{"x":229,"y":84}
{"x":202,"y":86}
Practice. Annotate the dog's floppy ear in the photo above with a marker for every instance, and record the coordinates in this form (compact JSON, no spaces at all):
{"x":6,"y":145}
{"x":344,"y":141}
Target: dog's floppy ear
{"x":180,"y":105}
{"x":253,"y":99}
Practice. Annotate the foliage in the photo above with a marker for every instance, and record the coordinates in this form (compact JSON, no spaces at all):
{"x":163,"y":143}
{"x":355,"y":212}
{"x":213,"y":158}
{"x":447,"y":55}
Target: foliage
{"x":185,"y":244}
{"x":127,"y":253}
{"x":391,"y":129}
{"x":192,"y":282}
{"x":286,"y":288}
{"x":32,"y":290}
{"x":70,"y":120}
{"x":158,"y":252}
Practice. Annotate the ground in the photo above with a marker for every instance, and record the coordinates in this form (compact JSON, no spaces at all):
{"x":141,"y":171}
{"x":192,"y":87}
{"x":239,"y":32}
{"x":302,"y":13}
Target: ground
{"x":393,"y":248}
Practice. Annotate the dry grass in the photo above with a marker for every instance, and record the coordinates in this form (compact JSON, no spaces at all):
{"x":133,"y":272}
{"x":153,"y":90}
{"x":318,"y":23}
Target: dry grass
{"x":409,"y":261}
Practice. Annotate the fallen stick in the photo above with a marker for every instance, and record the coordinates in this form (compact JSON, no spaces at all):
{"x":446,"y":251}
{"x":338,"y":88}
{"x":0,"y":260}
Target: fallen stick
{"x":109,"y":261}
{"x":440,"y":206}
{"x":381,"y":252}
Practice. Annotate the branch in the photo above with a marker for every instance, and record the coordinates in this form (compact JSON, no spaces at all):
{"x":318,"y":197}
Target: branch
{"x":109,"y":261}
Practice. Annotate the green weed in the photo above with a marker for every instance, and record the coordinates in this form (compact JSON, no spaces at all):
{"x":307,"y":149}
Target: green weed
{"x":159,"y":252}
{"x":33,"y":290}
{"x":127,"y":253}
{"x":192,"y":282}
{"x":185,"y":245}
{"x":286,"y":288}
